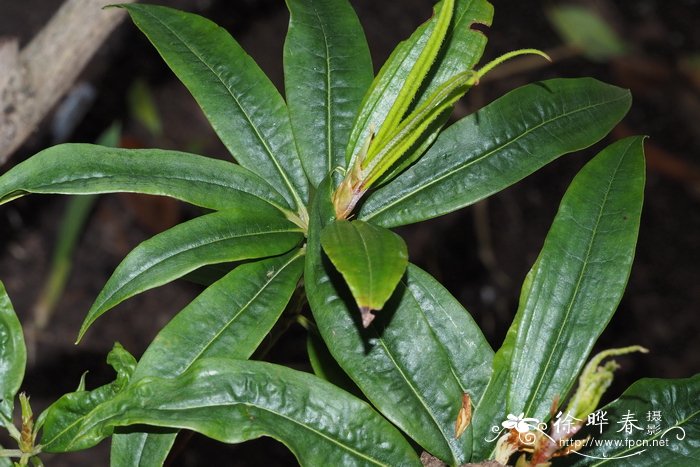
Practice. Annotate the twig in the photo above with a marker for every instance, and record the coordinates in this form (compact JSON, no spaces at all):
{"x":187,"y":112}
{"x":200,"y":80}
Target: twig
{"x":34,"y":79}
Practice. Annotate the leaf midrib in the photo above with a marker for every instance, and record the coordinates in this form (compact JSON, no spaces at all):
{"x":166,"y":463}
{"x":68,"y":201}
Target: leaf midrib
{"x":499,"y":148}
{"x":584,"y":267}
{"x":262,"y":140}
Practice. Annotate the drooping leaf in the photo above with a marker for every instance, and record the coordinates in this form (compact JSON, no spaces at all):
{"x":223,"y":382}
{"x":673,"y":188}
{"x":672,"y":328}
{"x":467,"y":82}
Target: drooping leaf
{"x":213,"y":238}
{"x":13,"y":356}
{"x":228,"y":320}
{"x":397,"y":362}
{"x":673,"y":439}
{"x":497,"y":146}
{"x":371,"y":259}
{"x":579,"y":279}
{"x":243,"y":106}
{"x":327,"y":70}
{"x":234,"y":401}
{"x":461,"y":50}
{"x":82,"y":169}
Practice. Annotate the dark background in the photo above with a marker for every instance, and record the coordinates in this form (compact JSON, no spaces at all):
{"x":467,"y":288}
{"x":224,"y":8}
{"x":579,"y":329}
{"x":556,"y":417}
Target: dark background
{"x":481,"y":254}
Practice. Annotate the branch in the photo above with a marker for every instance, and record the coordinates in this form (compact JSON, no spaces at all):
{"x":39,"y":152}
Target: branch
{"x":35,"y":78}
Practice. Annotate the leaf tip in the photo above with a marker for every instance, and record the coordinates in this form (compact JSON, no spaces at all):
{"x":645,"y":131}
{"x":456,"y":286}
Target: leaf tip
{"x":367,"y":316}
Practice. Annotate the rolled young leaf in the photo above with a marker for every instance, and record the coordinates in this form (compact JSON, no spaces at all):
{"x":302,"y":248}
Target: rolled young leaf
{"x":82,"y":169}
{"x":228,"y":320}
{"x":666,"y":418}
{"x":370,"y":258}
{"x":498,"y":146}
{"x":235,"y":401}
{"x":327,"y":70}
{"x":461,"y":49}
{"x":13,"y":356}
{"x":213,"y":238}
{"x":397,"y":362}
{"x":243,"y":106}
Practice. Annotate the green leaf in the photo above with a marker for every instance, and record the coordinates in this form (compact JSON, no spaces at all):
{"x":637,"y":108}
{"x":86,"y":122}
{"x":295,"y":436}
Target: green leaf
{"x":579,"y":277}
{"x":243,"y":106}
{"x":326,"y":368}
{"x":235,"y":401}
{"x":675,"y":440}
{"x":371,"y":259}
{"x":82,"y":169}
{"x":497,"y":146}
{"x":397,"y":362}
{"x":469,"y":353}
{"x":571,"y":291}
{"x":584,"y":29}
{"x":141,"y":449}
{"x":327,"y":70}
{"x":13,"y":356}
{"x":461,"y":50}
{"x":213,"y":238}
{"x":228,"y":320}
{"x":68,"y":412}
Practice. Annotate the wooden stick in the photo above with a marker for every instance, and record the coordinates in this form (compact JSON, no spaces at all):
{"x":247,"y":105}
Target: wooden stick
{"x":34,"y":79}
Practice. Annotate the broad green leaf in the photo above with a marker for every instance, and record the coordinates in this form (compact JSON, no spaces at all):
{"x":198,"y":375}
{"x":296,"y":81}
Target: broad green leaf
{"x":469,"y":354}
{"x":327,"y":70}
{"x":213,"y":238}
{"x":228,"y":320}
{"x":243,"y":106}
{"x":578,"y":279}
{"x":69,"y":411}
{"x":235,"y":401}
{"x":461,"y":50}
{"x":583,"y":28}
{"x":371,"y":259}
{"x":672,"y":441}
{"x":82,"y":169}
{"x":13,"y":356}
{"x":497,"y":146}
{"x":397,"y":362}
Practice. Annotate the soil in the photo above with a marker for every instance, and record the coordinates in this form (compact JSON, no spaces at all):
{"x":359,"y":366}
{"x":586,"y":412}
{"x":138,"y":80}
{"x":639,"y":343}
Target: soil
{"x":481,"y":253}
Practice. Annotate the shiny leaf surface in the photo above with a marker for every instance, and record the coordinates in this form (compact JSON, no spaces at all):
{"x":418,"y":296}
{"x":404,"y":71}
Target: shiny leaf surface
{"x":498,"y":146}
{"x":327,"y":70}
{"x":13,"y":355}
{"x":82,"y":169}
{"x":213,"y":238}
{"x":243,"y":106}
{"x":234,"y":401}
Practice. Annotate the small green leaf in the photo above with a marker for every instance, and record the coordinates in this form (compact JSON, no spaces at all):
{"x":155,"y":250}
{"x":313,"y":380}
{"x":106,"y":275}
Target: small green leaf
{"x":673,"y":440}
{"x":371,"y":259}
{"x":234,"y":401}
{"x":213,"y":238}
{"x":13,"y":356}
{"x":398,"y":362}
{"x":327,"y":70}
{"x":498,"y":146}
{"x":243,"y":106}
{"x":83,"y":169}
